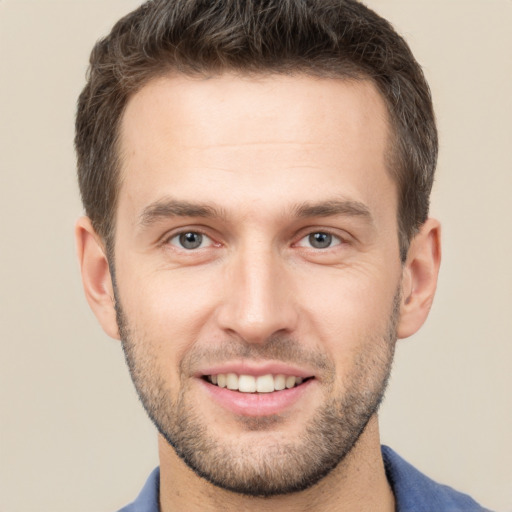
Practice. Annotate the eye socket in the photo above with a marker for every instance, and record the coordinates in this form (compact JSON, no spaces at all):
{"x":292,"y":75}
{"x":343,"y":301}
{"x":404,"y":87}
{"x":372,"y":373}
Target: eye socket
{"x":190,"y":240}
{"x":320,"y":240}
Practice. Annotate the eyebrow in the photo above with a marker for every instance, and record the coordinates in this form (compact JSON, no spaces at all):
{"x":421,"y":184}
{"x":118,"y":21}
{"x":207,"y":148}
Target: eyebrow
{"x":166,"y":208}
{"x":169,"y":207}
{"x":334,"y":207}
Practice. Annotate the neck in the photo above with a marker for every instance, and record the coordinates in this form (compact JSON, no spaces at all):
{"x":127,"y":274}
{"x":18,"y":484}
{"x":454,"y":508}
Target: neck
{"x":358,"y":483}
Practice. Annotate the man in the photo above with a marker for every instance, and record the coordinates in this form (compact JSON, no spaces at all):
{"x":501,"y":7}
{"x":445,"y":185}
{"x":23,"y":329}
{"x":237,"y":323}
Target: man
{"x":256,"y":177}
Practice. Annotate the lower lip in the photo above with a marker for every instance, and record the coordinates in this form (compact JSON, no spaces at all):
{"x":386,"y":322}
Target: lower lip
{"x":256,"y":404}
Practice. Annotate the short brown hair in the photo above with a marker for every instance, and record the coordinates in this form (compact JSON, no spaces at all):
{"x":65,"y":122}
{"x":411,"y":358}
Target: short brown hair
{"x":328,"y":38}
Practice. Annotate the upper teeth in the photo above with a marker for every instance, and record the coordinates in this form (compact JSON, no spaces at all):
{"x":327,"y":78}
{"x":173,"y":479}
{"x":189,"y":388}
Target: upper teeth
{"x":252,"y":384}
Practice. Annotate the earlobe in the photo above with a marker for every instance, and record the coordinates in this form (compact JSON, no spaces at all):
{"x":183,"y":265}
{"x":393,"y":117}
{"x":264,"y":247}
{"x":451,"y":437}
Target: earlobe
{"x":96,"y":277}
{"x":419,"y":279}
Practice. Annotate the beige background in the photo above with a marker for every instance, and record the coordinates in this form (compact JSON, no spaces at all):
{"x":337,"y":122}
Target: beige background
{"x":72,"y":435}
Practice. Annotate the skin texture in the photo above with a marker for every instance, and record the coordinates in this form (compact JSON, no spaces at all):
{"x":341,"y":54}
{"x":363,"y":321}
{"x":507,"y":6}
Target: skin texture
{"x":256,"y":165}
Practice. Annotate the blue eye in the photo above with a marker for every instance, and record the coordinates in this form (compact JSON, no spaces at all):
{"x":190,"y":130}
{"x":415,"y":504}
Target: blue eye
{"x":320,"y":240}
{"x":190,"y":240}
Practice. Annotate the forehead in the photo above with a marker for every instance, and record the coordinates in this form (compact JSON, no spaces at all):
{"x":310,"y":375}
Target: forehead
{"x":275,"y":134}
{"x":294,"y":102}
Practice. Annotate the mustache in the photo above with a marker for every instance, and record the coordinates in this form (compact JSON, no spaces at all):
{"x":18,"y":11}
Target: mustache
{"x":280,"y":348}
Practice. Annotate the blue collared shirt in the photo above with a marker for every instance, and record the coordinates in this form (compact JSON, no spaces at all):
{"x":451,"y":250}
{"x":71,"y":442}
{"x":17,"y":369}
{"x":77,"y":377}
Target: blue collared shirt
{"x":414,"y":492}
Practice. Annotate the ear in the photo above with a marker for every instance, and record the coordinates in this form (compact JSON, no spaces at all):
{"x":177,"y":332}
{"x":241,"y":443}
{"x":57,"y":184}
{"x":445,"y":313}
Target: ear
{"x":96,"y":277}
{"x":419,"y":278}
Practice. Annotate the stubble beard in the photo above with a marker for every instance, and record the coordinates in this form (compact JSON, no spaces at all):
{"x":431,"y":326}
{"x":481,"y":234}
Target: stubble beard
{"x":274,"y":467}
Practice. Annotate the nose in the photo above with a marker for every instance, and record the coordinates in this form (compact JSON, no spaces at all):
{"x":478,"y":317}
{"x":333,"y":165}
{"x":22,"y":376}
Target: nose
{"x":258,"y":299}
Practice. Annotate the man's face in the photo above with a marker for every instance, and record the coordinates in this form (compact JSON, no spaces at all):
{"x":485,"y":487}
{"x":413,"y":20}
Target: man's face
{"x":257,"y":248}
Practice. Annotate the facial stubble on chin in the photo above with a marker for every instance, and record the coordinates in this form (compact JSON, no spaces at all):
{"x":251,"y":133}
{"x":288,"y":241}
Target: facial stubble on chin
{"x":281,"y":466}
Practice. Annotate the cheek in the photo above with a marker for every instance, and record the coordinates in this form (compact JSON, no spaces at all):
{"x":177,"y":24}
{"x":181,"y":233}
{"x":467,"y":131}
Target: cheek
{"x":167,"y":309}
{"x":347,"y":309}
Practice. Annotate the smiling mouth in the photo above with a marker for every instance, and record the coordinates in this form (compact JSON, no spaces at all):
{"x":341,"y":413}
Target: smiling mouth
{"x":252,"y":384}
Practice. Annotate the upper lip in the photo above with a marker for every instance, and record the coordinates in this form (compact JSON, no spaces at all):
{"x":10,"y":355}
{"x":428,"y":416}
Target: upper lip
{"x":256,"y":369}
